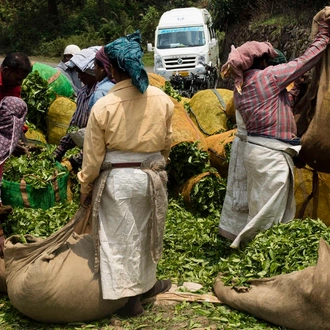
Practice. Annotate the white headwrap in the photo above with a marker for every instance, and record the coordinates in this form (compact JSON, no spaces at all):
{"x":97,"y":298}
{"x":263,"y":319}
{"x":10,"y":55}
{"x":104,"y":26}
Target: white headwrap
{"x":84,"y":60}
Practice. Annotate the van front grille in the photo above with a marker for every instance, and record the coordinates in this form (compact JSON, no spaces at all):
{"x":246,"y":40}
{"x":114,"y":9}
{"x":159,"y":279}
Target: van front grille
{"x":180,"y":63}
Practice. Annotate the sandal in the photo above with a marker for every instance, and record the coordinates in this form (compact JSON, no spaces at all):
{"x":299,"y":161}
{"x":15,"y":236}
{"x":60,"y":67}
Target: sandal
{"x":133,"y":308}
{"x":161,"y":286}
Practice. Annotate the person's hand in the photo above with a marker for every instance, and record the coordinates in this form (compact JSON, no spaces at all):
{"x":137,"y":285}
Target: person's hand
{"x":75,"y":164}
{"x":20,"y":150}
{"x":85,"y":199}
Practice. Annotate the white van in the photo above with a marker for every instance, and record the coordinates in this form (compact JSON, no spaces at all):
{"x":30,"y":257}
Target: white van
{"x":185,"y":42}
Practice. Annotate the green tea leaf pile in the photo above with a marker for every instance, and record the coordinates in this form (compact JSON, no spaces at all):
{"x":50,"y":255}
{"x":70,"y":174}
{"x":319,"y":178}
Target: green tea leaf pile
{"x":281,"y":249}
{"x":187,"y":160}
{"x":39,"y":222}
{"x":208,"y":194}
{"x":37,"y":168}
{"x":38,"y":96}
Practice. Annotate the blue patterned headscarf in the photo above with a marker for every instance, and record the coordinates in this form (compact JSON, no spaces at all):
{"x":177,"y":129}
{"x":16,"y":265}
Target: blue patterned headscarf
{"x":128,"y":53}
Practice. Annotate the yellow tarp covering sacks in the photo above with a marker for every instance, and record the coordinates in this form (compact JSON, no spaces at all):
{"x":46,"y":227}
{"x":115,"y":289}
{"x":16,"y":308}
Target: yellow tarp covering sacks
{"x":56,"y":80}
{"x":216,"y":147}
{"x":156,"y":80}
{"x":210,"y":110}
{"x":184,"y":130}
{"x":58,"y":118}
{"x":312,"y":194}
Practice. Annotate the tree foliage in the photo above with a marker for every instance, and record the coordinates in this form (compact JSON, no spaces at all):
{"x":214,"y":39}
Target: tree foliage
{"x":44,"y":27}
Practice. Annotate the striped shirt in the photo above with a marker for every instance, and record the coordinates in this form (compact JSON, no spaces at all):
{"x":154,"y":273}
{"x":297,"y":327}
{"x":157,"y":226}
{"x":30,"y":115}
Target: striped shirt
{"x":79,"y":118}
{"x":265,"y":104}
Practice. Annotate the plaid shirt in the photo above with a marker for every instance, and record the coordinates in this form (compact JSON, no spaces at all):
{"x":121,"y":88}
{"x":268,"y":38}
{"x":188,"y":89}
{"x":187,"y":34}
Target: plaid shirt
{"x":79,"y":118}
{"x":265,"y":104}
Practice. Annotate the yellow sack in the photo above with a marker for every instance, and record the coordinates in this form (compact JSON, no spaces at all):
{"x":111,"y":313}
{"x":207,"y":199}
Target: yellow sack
{"x":184,"y":130}
{"x":156,"y":80}
{"x":58,"y":118}
{"x":312,"y":194}
{"x":210,"y":110}
{"x":216,"y":146}
{"x":35,"y":136}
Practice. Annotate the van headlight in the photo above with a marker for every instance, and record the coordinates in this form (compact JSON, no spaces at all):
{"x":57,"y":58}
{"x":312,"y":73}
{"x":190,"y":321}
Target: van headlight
{"x":201,"y":59}
{"x":158,"y":62}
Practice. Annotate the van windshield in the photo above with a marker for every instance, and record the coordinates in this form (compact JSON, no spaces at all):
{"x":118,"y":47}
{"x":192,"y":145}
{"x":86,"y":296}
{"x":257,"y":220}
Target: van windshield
{"x":181,"y":37}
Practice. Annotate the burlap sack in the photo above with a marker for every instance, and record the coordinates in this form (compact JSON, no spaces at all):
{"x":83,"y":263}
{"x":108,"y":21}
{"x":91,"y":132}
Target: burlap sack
{"x":298,"y":300}
{"x":312,"y":194}
{"x":58,"y":118}
{"x":52,"y":280}
{"x":210,"y":109}
{"x":184,"y":130}
{"x":3,"y":285}
{"x":216,"y":147}
{"x":312,"y":112}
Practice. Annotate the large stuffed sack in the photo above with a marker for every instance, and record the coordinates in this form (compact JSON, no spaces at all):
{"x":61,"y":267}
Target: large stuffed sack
{"x":298,"y":300}
{"x":312,"y":111}
{"x":59,"y":116}
{"x":59,"y":83}
{"x":210,"y":110}
{"x":184,"y":130}
{"x":53,"y":280}
{"x":312,"y":194}
{"x":218,"y":147}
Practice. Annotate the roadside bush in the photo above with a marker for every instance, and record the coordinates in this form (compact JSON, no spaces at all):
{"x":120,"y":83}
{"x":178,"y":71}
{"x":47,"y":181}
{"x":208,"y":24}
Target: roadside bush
{"x":55,"y":48}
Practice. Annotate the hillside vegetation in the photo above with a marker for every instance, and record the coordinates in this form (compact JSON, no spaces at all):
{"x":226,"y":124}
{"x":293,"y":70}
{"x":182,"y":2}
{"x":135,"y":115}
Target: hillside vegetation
{"x":43,"y":28}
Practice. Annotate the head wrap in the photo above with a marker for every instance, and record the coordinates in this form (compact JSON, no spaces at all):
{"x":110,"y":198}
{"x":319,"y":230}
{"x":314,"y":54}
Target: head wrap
{"x":84,"y":60}
{"x":128,"y":53}
{"x":13,"y":111}
{"x":241,"y":59}
{"x":279,"y":59}
{"x":103,"y":57}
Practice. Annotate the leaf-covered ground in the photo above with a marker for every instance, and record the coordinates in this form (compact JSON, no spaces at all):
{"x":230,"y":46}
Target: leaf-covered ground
{"x":192,"y":251}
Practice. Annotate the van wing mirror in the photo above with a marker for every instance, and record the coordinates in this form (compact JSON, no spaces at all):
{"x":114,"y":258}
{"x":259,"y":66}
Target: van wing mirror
{"x":149,"y":47}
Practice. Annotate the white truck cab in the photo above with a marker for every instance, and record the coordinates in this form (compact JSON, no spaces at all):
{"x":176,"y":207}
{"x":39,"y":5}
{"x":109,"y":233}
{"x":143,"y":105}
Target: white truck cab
{"x":184,"y":41}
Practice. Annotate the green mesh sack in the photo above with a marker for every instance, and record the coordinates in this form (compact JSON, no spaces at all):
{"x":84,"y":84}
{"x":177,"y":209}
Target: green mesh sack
{"x":21,"y":194}
{"x":59,"y":83}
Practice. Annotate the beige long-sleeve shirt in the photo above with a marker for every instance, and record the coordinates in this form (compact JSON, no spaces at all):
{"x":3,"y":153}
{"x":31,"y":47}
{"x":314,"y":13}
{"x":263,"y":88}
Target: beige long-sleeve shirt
{"x":125,"y":120}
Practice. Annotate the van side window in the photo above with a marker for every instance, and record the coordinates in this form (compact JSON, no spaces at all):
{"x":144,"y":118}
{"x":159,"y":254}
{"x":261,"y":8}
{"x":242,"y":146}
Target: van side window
{"x":211,"y":32}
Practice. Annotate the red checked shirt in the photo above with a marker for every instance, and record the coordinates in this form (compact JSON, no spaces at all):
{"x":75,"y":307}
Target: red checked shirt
{"x":16,"y":91}
{"x":265,"y":104}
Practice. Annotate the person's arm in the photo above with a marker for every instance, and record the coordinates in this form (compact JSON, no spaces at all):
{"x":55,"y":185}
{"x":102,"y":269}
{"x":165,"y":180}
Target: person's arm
{"x":168,"y":139}
{"x":286,"y":73}
{"x":94,"y":152}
